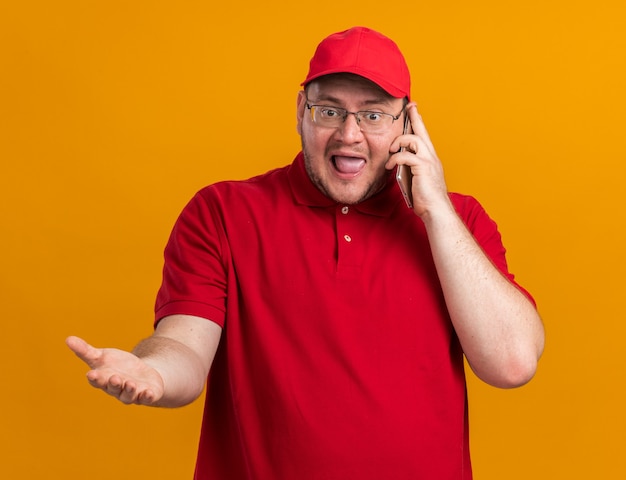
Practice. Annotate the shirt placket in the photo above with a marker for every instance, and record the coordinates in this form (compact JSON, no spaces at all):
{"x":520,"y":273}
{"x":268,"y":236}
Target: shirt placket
{"x":349,"y":242}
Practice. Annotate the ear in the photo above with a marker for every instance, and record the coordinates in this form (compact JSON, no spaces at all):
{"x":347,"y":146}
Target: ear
{"x":300,"y":107}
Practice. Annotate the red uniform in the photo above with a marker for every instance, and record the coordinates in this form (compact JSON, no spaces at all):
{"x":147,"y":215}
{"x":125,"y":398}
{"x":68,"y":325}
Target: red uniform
{"x":338,"y":359}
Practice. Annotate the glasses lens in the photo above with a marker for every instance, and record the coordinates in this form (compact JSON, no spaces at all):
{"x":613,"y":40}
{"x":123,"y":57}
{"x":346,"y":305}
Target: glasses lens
{"x":334,"y":117}
{"x":328,"y":116}
{"x":375,"y":121}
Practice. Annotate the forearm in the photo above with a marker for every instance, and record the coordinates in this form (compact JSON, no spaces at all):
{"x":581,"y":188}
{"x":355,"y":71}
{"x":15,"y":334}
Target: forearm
{"x":498,"y":327}
{"x":183,"y":372}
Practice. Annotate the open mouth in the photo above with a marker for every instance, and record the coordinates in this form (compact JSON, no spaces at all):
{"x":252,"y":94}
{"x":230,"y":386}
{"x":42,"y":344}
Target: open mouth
{"x":348,"y":166}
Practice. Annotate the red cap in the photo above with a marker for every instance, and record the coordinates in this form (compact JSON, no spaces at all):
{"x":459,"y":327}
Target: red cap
{"x":364,"y":52}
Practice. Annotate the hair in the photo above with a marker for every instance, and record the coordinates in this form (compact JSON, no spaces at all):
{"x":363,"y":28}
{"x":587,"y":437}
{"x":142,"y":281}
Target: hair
{"x":405,"y":100}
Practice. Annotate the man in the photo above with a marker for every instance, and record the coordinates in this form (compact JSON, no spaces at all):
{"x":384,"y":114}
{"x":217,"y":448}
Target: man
{"x":330,"y":319}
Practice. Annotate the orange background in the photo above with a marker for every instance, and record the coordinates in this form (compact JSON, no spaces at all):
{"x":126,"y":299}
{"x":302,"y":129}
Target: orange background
{"x":112,"y":114}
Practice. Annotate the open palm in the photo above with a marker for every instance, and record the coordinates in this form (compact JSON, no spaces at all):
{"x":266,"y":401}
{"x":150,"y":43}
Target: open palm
{"x":119,"y":373}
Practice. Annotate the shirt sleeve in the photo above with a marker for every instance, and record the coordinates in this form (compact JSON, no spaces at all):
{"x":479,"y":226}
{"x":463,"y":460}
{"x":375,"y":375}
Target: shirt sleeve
{"x":195,"y":270}
{"x":486,"y":233}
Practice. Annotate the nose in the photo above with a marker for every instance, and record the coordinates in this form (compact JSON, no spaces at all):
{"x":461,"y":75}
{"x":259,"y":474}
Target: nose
{"x":350,"y":130}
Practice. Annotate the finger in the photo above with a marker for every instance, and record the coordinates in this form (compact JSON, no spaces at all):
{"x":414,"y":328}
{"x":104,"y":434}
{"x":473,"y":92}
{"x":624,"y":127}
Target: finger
{"x":407,"y":141}
{"x":133,"y":393}
{"x":115,"y":385}
{"x":410,"y":107}
{"x":413,"y":145}
{"x":88,"y":354}
{"x":146,"y":397}
{"x":104,"y":380}
{"x":128,"y":393}
{"x":419,"y":128}
{"x":404,"y":143}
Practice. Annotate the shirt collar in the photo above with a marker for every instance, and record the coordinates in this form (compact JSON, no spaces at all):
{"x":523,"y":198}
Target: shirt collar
{"x":306,"y":193}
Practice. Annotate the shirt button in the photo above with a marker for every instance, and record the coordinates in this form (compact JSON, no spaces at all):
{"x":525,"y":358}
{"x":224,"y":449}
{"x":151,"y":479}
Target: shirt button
{"x":345,"y":210}
{"x":347,"y":238}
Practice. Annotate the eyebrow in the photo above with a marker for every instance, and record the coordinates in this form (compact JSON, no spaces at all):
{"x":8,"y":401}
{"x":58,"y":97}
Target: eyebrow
{"x":368,"y":103}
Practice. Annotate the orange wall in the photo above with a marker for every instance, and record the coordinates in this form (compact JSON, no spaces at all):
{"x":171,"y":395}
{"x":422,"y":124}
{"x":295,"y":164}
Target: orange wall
{"x":112,"y":114}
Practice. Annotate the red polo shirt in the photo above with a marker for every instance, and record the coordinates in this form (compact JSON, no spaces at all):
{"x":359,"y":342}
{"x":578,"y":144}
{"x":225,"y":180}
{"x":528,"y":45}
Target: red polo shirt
{"x":338,"y":359}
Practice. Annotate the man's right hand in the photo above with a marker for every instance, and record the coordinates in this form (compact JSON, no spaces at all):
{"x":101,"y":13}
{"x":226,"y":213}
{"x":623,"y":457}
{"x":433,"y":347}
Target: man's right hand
{"x":121,"y":374}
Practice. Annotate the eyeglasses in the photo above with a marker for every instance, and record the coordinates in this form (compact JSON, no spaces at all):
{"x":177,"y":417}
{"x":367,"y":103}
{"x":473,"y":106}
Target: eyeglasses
{"x":368,"y":120}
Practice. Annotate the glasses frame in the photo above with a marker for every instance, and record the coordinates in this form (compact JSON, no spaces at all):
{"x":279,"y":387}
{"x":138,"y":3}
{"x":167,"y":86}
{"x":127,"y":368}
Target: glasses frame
{"x":357,"y":115}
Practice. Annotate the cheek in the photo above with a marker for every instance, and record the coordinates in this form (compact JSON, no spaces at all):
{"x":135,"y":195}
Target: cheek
{"x":379,"y":148}
{"x":314,"y":138}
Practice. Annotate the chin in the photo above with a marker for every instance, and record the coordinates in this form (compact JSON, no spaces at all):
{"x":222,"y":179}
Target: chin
{"x":343,"y":200}
{"x":347,"y":196}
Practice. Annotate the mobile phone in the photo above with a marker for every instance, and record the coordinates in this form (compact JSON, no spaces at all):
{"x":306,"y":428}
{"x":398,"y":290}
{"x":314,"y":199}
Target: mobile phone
{"x":403,"y":172}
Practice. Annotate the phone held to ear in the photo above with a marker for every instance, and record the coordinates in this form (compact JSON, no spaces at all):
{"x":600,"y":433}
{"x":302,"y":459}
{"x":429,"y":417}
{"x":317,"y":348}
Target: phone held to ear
{"x":403,"y":172}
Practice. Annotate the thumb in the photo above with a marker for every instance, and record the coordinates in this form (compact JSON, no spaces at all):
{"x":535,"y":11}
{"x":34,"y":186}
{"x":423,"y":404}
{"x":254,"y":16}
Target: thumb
{"x":83,"y":350}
